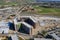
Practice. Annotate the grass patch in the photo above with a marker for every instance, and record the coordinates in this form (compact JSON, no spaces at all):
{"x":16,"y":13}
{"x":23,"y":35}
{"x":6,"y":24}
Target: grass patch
{"x":50,"y":11}
{"x":19,"y":25}
{"x":9,"y":3}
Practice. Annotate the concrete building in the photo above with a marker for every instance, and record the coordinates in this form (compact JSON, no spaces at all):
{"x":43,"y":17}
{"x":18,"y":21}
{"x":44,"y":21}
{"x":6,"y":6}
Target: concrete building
{"x":5,"y":27}
{"x":28,"y":19}
{"x":27,"y":23}
{"x":55,"y":36}
{"x":34,"y":24}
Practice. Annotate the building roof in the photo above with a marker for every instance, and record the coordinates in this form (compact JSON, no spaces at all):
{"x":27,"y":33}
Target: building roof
{"x":14,"y":37}
{"x":6,"y":30}
{"x":26,"y":24}
{"x":42,"y":23}
{"x":55,"y":36}
{"x":3,"y":24}
{"x":29,"y":17}
{"x":4,"y":27}
{"x":15,"y":21}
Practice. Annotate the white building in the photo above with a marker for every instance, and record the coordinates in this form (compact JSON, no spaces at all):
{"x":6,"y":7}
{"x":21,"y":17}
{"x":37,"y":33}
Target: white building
{"x":4,"y":28}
